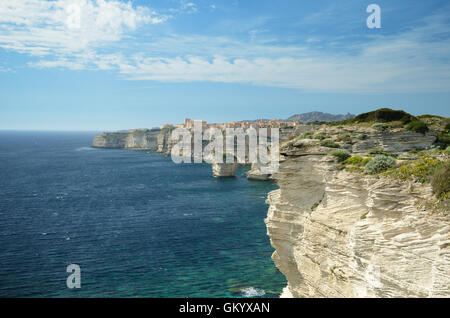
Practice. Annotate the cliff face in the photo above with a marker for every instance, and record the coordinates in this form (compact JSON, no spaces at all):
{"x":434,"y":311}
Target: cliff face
{"x":159,"y":140}
{"x":138,"y":139}
{"x":344,"y":234}
{"x":163,"y":143}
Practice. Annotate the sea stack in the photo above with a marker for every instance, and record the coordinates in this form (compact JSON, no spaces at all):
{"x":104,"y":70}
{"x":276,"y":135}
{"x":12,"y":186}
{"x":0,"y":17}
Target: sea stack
{"x":221,"y":170}
{"x":256,"y":174}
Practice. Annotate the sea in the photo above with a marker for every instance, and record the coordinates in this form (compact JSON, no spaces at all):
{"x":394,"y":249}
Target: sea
{"x":136,"y":224}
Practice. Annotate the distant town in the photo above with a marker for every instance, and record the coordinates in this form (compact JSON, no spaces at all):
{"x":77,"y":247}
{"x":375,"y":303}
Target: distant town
{"x":261,"y":123}
{"x":189,"y":124}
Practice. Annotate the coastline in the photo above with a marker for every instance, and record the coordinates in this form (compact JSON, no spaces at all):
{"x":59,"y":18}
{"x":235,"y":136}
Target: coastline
{"x":321,"y":202}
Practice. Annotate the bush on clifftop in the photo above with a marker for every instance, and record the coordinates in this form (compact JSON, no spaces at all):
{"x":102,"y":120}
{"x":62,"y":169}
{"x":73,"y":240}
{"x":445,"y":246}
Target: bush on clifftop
{"x":329,"y":144}
{"x":379,"y":164}
{"x":380,"y":152}
{"x":417,"y":126}
{"x":319,"y":137}
{"x":444,"y":136}
{"x":340,"y":154}
{"x":355,"y":160}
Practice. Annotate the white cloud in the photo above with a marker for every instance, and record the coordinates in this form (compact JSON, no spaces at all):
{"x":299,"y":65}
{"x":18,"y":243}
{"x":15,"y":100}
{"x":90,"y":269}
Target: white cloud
{"x":407,"y":62}
{"x":416,"y":60}
{"x":185,"y":7}
{"x":40,"y":27}
{"x":313,"y":74}
{"x":189,"y":7}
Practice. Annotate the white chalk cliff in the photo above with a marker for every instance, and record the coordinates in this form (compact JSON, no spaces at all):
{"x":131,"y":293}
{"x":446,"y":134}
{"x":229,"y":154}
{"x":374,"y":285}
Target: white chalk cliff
{"x":345,"y":234}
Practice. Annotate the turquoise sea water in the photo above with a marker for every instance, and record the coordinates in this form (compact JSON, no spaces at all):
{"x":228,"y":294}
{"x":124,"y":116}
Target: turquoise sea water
{"x":137,"y":224}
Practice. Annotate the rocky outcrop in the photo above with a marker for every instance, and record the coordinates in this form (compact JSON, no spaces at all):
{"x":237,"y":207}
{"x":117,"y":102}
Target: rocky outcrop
{"x":255,"y":173}
{"x":396,"y":140}
{"x":137,"y":139}
{"x":342,"y":234}
{"x":221,"y":170}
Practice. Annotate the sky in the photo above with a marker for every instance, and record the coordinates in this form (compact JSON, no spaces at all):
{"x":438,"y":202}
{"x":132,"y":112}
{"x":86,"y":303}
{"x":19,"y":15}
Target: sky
{"x":108,"y":64}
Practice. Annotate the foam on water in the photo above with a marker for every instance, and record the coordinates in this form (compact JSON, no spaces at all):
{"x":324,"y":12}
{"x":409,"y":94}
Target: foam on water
{"x":85,"y":149}
{"x":251,"y":292}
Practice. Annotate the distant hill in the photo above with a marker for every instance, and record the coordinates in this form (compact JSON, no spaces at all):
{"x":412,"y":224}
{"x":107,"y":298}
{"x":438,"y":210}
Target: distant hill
{"x":319,"y":116}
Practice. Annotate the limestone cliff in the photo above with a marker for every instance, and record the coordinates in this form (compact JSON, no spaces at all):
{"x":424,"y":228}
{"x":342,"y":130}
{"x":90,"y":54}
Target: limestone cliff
{"x":343,"y":233}
{"x":138,"y":139}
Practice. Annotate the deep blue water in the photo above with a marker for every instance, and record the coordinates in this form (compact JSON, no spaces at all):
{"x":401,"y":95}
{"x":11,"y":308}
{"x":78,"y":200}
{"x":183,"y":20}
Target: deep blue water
{"x":137,"y":224}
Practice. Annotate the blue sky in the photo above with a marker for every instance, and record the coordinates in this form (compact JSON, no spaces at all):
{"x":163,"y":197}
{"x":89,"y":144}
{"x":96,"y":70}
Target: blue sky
{"x":107,"y":65}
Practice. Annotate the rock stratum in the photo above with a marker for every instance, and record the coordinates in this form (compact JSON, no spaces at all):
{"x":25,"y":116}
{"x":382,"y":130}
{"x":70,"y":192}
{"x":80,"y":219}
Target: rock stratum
{"x":343,"y":233}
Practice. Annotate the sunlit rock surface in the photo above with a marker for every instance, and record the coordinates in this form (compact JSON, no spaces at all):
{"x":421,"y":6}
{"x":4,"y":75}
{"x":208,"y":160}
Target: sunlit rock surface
{"x":343,"y":234}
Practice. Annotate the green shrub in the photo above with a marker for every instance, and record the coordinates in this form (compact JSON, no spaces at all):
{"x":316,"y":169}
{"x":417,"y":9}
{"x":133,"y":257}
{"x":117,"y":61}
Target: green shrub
{"x":417,"y":126}
{"x":366,"y":161}
{"x":419,"y":170}
{"x":319,"y":137}
{"x":440,"y":181}
{"x":448,"y":150}
{"x":341,"y":123}
{"x":443,"y":138}
{"x":329,"y":144}
{"x":379,"y":164}
{"x":340,"y":154}
{"x":447,"y":126}
{"x":354,"y":160}
{"x":306,"y":135}
{"x":346,"y":137}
